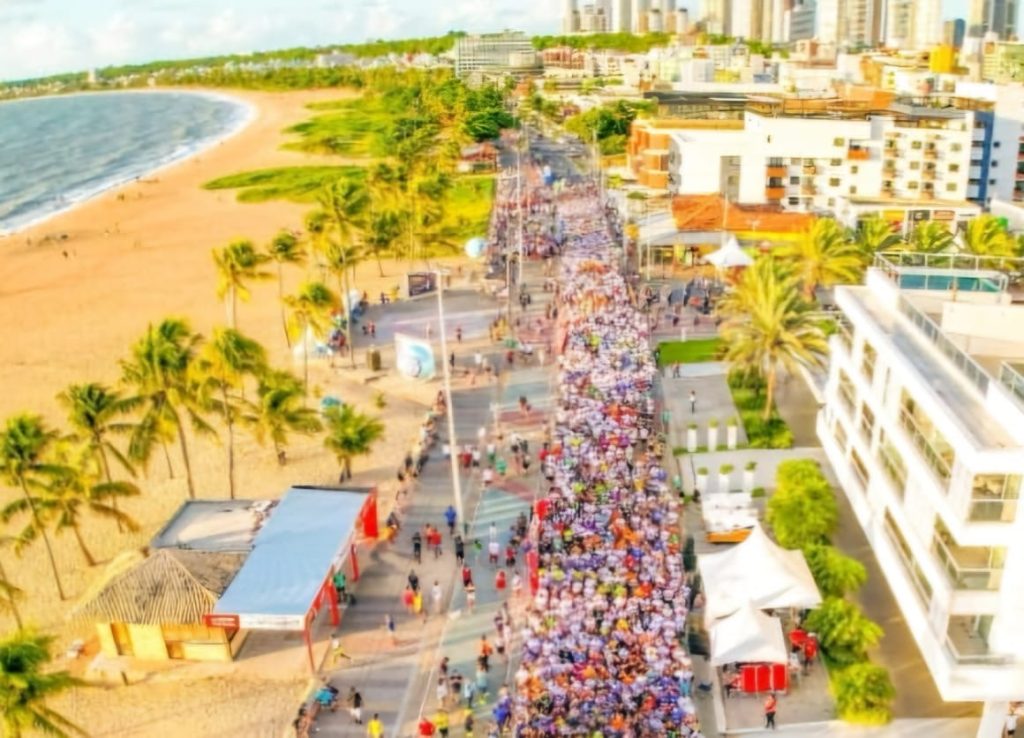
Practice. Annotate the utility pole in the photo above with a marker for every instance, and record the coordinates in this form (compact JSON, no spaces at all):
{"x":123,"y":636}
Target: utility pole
{"x":450,"y":408}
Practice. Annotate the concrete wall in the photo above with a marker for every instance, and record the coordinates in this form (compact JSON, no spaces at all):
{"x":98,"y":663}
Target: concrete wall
{"x":996,"y":330}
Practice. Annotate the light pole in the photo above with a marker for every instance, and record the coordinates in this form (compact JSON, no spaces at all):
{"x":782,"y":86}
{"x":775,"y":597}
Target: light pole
{"x":450,"y":412}
{"x":519,"y":205}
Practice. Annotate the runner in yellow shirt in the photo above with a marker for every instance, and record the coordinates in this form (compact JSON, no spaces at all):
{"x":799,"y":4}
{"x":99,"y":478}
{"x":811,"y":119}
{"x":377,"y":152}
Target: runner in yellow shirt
{"x":441,"y":722}
{"x":375,"y":729}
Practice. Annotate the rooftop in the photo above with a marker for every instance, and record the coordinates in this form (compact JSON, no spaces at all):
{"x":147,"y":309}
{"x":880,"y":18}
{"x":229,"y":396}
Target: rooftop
{"x":705,"y":213}
{"x":214,"y":525}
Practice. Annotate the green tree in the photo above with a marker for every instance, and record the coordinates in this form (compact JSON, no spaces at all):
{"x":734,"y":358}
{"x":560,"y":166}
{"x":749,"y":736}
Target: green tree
{"x":350,"y":434}
{"x":930,"y":237}
{"x":835,"y":574}
{"x":317,"y":225}
{"x":279,"y":411}
{"x":95,"y":414}
{"x":383,"y":230}
{"x":223,"y":365}
{"x":284,"y":249}
{"x":844,"y":631}
{"x":158,"y":372}
{"x":768,"y":325}
{"x":10,"y":593}
{"x":74,"y":486}
{"x":345,"y":201}
{"x":875,"y":234}
{"x":237,"y":264}
{"x":26,"y":683}
{"x":985,"y":236}
{"x":25,"y":445}
{"x":824,"y":256}
{"x":864,"y":694}
{"x":310,"y":314}
{"x":802,"y":511}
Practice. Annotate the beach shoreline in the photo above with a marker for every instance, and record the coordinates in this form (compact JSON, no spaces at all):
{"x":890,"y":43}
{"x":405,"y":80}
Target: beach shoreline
{"x":249,"y":113}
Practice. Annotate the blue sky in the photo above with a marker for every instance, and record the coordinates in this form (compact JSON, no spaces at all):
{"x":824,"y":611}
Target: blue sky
{"x":40,"y":37}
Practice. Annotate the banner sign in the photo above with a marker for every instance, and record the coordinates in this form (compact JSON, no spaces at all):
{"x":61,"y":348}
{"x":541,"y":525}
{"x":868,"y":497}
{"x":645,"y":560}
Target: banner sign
{"x":421,"y":283}
{"x":414,"y":357}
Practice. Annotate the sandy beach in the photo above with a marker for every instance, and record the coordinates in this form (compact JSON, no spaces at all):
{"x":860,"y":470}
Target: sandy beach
{"x":71,"y":307}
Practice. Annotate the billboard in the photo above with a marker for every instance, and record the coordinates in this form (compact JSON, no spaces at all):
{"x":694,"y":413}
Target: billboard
{"x":421,"y":283}
{"x":414,"y":357}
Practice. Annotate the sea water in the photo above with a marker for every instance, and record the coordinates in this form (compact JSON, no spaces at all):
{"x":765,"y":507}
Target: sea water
{"x":56,"y":152}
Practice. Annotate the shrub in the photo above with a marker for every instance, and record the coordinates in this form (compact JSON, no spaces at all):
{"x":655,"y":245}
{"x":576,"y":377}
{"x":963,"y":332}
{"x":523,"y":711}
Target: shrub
{"x":758,"y":492}
{"x":678,"y":450}
{"x":689,"y":554}
{"x":691,"y":426}
{"x":835,"y":574}
{"x":864,"y":694}
{"x":748,"y":398}
{"x":713,"y":423}
{"x":750,"y":466}
{"x":726,"y":469}
{"x":732,"y":422}
{"x":844,"y":632}
{"x":702,"y":471}
{"x":803,"y":509}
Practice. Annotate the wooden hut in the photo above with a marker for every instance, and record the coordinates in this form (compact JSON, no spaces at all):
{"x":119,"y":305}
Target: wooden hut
{"x":153,"y":607}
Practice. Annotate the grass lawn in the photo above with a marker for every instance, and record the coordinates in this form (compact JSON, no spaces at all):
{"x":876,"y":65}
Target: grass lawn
{"x":345,"y":128}
{"x":687,"y":352}
{"x":748,"y":396}
{"x":298,"y":184}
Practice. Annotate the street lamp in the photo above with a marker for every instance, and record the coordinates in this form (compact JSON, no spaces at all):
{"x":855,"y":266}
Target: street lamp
{"x":453,"y":455}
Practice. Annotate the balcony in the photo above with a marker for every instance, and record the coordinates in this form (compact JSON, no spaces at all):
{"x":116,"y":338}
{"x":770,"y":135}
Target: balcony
{"x":775,"y":193}
{"x":810,"y":169}
{"x":972,"y":568}
{"x":808,"y":189}
{"x":776,"y":171}
{"x":942,"y":468}
{"x":931,"y":153}
{"x":856,"y":153}
{"x":928,"y":175}
{"x":966,"y":642}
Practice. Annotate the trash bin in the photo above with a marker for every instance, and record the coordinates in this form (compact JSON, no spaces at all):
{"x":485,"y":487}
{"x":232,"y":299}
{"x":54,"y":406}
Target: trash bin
{"x":373,"y":359}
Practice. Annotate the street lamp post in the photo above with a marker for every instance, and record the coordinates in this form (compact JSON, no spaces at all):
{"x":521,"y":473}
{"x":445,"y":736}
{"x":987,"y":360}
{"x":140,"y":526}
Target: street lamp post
{"x":450,"y":412}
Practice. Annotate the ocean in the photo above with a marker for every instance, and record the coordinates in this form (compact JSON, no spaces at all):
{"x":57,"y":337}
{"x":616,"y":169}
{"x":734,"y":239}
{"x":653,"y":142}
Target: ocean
{"x":56,"y":152}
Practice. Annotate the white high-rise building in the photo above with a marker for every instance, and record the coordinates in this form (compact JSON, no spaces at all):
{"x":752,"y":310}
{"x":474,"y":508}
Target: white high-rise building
{"x":923,"y":422}
{"x":570,"y":17}
{"x":622,"y":16}
{"x":927,"y":23}
{"x":638,"y":12}
{"x":992,"y":16}
{"x":714,"y":15}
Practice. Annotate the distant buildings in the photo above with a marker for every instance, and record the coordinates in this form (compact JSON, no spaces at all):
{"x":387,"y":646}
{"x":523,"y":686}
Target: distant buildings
{"x":992,"y":16}
{"x":495,"y":53}
{"x":923,"y":422}
{"x":1002,"y":61}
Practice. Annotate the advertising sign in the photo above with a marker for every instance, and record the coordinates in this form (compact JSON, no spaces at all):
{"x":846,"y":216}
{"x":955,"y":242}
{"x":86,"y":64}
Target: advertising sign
{"x":421,"y":283}
{"x":414,"y":358}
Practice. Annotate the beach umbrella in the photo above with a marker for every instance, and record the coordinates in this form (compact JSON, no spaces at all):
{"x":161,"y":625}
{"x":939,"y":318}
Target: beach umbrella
{"x":475,"y":247}
{"x":329,"y":401}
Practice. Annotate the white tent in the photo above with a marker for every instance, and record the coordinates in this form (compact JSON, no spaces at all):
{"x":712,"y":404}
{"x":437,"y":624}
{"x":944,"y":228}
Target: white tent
{"x":748,"y":635}
{"x":758,"y":571}
{"x":309,"y":345}
{"x":730,"y":255}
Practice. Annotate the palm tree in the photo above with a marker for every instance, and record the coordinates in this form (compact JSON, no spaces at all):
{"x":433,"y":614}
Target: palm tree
{"x":316,"y":222}
{"x":26,"y":683}
{"x":310,"y":313}
{"x":345,"y":201}
{"x":221,"y":369}
{"x":824,"y":256}
{"x":350,"y":434}
{"x":158,"y":373}
{"x":284,"y":249}
{"x":93,"y":412}
{"x":25,"y":444}
{"x":279,"y":411}
{"x":383,"y":229}
{"x":10,"y":593}
{"x":930,"y":237}
{"x":985,"y":236}
{"x":875,"y":234}
{"x":237,"y":263}
{"x":74,"y":487}
{"x":769,"y":324}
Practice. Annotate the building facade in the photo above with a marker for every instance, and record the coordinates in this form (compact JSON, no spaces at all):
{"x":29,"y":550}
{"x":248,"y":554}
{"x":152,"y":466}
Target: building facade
{"x":923,"y":422}
{"x":494,"y":53}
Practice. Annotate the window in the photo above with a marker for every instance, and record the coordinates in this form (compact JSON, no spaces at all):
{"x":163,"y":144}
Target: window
{"x":995,"y":145}
{"x":934,"y":447}
{"x":955,"y":147}
{"x":892,"y":463}
{"x":859,"y":469}
{"x":836,"y":162}
{"x":793,"y":200}
{"x":954,"y":167}
{"x":847,"y":394}
{"x":915,"y":165}
{"x":867,"y":364}
{"x":794,"y":180}
{"x":994,"y":498}
{"x":831,"y":202}
{"x":840,"y":434}
{"x":915,"y":144}
{"x":853,"y":190}
{"x":867,"y":422}
{"x":854,"y":169}
{"x":731,"y":179}
{"x":951,"y":187}
{"x":991,"y":181}
{"x":833,"y":181}
{"x":921,"y":583}
{"x":776,"y":162}
{"x":838,"y":141}
{"x":912,"y":185}
{"x":968,"y":567}
{"x":994,"y":163}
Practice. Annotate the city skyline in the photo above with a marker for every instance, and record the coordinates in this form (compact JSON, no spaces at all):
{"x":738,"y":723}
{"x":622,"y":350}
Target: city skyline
{"x":54,"y":36}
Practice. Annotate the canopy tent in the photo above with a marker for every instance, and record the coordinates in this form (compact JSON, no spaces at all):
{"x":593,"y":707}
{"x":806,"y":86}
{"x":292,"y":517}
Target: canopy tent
{"x":748,"y":635}
{"x":309,"y":347}
{"x":287,"y":577}
{"x":757,"y":570}
{"x":730,"y":255}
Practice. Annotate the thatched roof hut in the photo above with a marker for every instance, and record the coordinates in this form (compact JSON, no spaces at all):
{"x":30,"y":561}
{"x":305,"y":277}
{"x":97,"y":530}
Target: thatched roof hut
{"x":170,"y":586}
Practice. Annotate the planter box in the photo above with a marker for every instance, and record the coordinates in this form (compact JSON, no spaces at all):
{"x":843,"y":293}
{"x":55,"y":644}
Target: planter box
{"x":731,"y":435}
{"x":748,"y":481}
{"x":724,"y":481}
{"x":691,"y":440}
{"x":712,"y":438}
{"x":702,"y":483}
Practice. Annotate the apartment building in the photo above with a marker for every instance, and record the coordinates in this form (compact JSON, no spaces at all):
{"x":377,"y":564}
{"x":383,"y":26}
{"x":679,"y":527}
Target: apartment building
{"x":901,"y":159}
{"x":1002,"y":61}
{"x":923,"y":422}
{"x":495,"y":53}
{"x":648,"y":147}
{"x":1006,"y":155}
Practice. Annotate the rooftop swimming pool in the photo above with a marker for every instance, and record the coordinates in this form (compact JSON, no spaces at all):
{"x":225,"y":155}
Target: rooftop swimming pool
{"x":963,"y":282}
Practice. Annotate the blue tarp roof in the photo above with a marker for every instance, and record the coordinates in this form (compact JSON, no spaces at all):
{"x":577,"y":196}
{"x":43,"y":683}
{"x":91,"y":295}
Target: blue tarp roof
{"x":293,"y":554}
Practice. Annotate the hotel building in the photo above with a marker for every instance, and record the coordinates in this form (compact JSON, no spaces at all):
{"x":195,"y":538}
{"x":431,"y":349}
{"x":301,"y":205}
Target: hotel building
{"x":923,"y":422}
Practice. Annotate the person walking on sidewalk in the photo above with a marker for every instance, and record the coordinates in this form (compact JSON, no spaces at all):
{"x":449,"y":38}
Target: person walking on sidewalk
{"x":436,"y":595}
{"x":417,"y":547}
{"x":770,"y":704}
{"x":389,"y":628}
{"x":460,"y":550}
{"x":337,"y":652}
{"x":450,"y":518}
{"x":441,"y":721}
{"x":355,"y":705}
{"x":693,"y":402}
{"x":485,"y":653}
{"x":375,"y":728}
